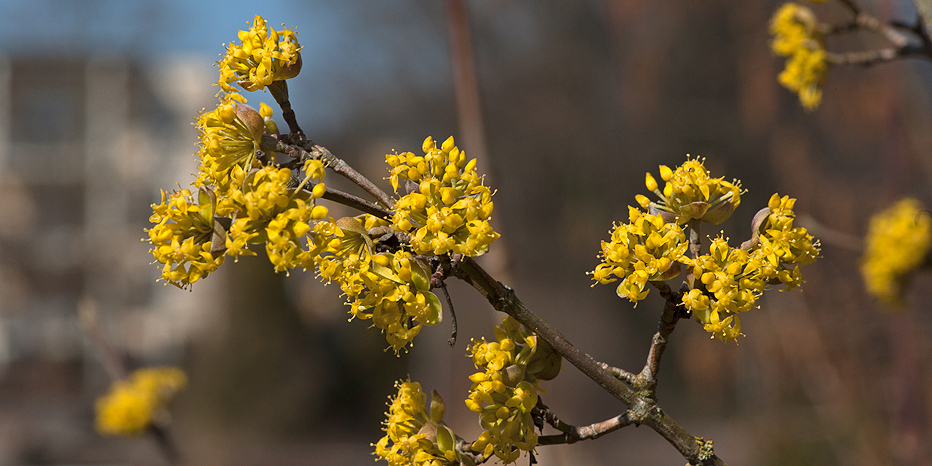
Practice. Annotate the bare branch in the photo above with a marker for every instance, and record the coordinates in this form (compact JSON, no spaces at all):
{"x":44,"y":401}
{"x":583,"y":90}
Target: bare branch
{"x":590,"y":432}
{"x":619,"y":374}
{"x":643,"y":407}
{"x":671,"y":314}
{"x":357,"y":203}
{"x":304,"y":149}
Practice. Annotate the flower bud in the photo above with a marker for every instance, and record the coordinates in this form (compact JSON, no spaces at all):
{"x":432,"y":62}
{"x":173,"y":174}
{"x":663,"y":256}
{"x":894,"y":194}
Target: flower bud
{"x":289,"y":71}
{"x":650,"y":182}
{"x":252,"y":119}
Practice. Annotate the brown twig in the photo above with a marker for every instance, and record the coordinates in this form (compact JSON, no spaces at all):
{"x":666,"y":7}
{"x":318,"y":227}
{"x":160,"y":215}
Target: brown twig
{"x":573,"y":434}
{"x":619,"y":374}
{"x":356,"y":202}
{"x":279,"y":90}
{"x":116,"y":370}
{"x":304,"y":149}
{"x":671,"y":314}
{"x":642,"y":405}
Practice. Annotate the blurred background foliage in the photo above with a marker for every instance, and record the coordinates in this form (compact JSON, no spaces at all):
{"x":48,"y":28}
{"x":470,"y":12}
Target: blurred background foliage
{"x":579,"y":99}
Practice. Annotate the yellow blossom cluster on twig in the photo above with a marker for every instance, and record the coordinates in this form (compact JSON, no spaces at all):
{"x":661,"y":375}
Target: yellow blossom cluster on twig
{"x":505,"y":389}
{"x":263,"y":55}
{"x":446,"y":209}
{"x":414,"y":436}
{"x":723,"y":283}
{"x":796,"y":37}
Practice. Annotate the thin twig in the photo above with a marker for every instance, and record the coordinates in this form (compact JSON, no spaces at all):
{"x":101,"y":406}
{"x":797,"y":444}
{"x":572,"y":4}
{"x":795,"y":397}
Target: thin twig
{"x":864,"y":58}
{"x":356,"y":202}
{"x":642,"y":407}
{"x":443,"y":286}
{"x":166,"y":444}
{"x":590,"y":432}
{"x":90,"y":323}
{"x":830,"y":236}
{"x":304,"y":149}
{"x":619,"y":374}
{"x":671,"y":314}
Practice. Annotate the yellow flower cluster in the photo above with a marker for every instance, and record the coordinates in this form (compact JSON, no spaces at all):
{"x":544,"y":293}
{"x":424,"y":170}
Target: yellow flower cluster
{"x":691,"y":194}
{"x":898,"y":243}
{"x":266,"y":208}
{"x":263,"y":55}
{"x":412,"y":435}
{"x":446,"y":206}
{"x":795,"y":36}
{"x":135,"y":403}
{"x":229,"y":137}
{"x":505,"y":389}
{"x":645,"y":249}
{"x":182,"y":236}
{"x":254,"y":203}
{"x":727,"y":285}
{"x":730,"y":280}
{"x":391,"y":289}
{"x":780,"y":245}
{"x":724,"y":282}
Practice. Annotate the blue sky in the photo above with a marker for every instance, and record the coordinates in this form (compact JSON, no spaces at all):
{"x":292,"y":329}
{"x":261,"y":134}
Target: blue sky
{"x":361,"y":45}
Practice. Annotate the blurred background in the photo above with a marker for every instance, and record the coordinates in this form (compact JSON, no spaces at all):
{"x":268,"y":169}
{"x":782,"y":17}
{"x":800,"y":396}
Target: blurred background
{"x":576,"y":100}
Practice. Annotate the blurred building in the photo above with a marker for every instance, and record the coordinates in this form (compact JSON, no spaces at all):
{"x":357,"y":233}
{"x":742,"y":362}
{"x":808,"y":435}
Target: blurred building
{"x":85,"y":145}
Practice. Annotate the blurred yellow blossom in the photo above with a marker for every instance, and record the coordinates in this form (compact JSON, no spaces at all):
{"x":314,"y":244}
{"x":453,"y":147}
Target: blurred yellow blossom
{"x":897,"y":243}
{"x":795,"y":36}
{"x":133,"y":404}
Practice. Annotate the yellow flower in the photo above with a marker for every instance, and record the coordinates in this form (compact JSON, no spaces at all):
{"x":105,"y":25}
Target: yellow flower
{"x":446,"y":209}
{"x":263,"y":55}
{"x":414,"y":436}
{"x":505,"y":390}
{"x":645,"y":249}
{"x":726,"y":284}
{"x":897,"y":244}
{"x":795,"y":36}
{"x":805,"y":74}
{"x":781,"y":245}
{"x":229,"y":137}
{"x":390,"y":289}
{"x":689,"y":193}
{"x":182,"y":237}
{"x":135,"y":403}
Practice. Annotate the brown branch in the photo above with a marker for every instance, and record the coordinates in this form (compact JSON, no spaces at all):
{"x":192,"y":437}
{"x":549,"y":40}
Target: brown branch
{"x":671,"y":314}
{"x":356,"y":202}
{"x":864,"y":58}
{"x":619,"y":374}
{"x":304,"y":149}
{"x":116,"y":370}
{"x":574,"y":434}
{"x":642,"y":404}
